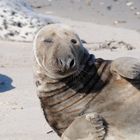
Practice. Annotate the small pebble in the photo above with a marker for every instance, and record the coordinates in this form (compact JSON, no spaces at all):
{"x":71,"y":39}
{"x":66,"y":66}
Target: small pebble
{"x":119,"y":21}
{"x":132,"y":8}
{"x":38,"y":7}
{"x":137,"y":13}
{"x":109,"y":7}
{"x":115,"y":22}
{"x":21,"y":108}
{"x":129,"y":3}
{"x":49,"y":131}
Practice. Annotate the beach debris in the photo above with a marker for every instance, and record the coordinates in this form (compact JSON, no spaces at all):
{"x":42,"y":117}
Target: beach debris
{"x":11,"y":105}
{"x":110,"y":45}
{"x":38,"y":7}
{"x":113,"y":45}
{"x":17,"y":108}
{"x":119,"y":22}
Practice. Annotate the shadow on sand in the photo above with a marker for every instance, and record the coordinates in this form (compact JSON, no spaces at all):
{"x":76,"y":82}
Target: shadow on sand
{"x":5,"y":83}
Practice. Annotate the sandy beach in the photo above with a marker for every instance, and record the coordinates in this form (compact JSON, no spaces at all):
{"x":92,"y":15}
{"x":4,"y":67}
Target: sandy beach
{"x":21,"y":117}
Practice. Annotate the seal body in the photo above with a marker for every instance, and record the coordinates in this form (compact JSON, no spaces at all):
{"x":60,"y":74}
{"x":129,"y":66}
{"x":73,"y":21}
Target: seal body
{"x":94,"y":90}
{"x":63,"y":100}
{"x":98,"y":87}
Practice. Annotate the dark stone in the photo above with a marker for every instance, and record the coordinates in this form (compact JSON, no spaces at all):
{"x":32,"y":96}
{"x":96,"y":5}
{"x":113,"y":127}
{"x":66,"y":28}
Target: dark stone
{"x":4,"y":11}
{"x":19,"y":24}
{"x":5,"y":24}
{"x":1,"y":16}
{"x":13,"y":13}
{"x":109,"y":7}
{"x":11,"y":34}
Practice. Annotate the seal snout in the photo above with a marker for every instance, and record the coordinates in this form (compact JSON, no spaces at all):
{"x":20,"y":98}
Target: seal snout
{"x":67,"y":64}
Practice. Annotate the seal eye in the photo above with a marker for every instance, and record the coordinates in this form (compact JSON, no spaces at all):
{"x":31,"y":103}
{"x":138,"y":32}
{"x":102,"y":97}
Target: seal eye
{"x":74,"y":41}
{"x":48,"y":40}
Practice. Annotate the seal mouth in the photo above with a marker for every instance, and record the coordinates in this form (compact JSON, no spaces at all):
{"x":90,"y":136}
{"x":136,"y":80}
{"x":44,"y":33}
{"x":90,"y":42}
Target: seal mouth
{"x":75,"y":72}
{"x":59,"y":74}
{"x":67,"y":73}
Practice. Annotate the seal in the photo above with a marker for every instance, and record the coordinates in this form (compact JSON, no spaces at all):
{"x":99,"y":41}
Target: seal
{"x":71,"y":83}
{"x":18,"y":21}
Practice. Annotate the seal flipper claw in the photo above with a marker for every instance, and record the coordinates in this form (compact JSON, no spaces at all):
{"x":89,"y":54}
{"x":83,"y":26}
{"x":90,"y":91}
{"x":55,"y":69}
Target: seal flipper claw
{"x":86,"y":127}
{"x":127,"y":67}
{"x":98,"y":124}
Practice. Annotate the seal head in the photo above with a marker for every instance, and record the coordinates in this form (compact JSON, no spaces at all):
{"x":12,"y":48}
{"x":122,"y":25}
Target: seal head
{"x":58,"y":50}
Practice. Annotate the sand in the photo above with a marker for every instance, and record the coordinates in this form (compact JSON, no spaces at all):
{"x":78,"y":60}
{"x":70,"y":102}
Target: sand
{"x":117,"y":13}
{"x":21,"y":117}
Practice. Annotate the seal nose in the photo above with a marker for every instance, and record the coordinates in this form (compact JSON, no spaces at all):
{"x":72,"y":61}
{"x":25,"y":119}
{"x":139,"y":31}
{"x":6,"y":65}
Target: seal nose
{"x":67,"y":64}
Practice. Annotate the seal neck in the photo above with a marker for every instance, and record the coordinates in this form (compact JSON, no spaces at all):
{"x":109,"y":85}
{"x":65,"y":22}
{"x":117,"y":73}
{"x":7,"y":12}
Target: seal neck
{"x":94,"y":75}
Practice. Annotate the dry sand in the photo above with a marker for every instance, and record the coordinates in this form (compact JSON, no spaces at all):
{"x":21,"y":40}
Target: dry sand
{"x":21,"y":117}
{"x":118,"y":13}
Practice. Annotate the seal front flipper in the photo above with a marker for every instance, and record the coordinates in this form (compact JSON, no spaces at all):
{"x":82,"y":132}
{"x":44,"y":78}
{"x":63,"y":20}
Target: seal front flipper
{"x":86,"y":127}
{"x":127,"y":67}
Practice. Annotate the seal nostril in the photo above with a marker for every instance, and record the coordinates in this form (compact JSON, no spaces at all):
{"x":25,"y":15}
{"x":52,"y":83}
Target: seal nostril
{"x":72,"y":63}
{"x":73,"y":41}
{"x":48,"y":40}
{"x":59,"y":62}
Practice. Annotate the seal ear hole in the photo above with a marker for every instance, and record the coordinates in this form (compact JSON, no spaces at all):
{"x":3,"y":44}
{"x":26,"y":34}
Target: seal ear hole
{"x":48,"y":40}
{"x":74,"y":41}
